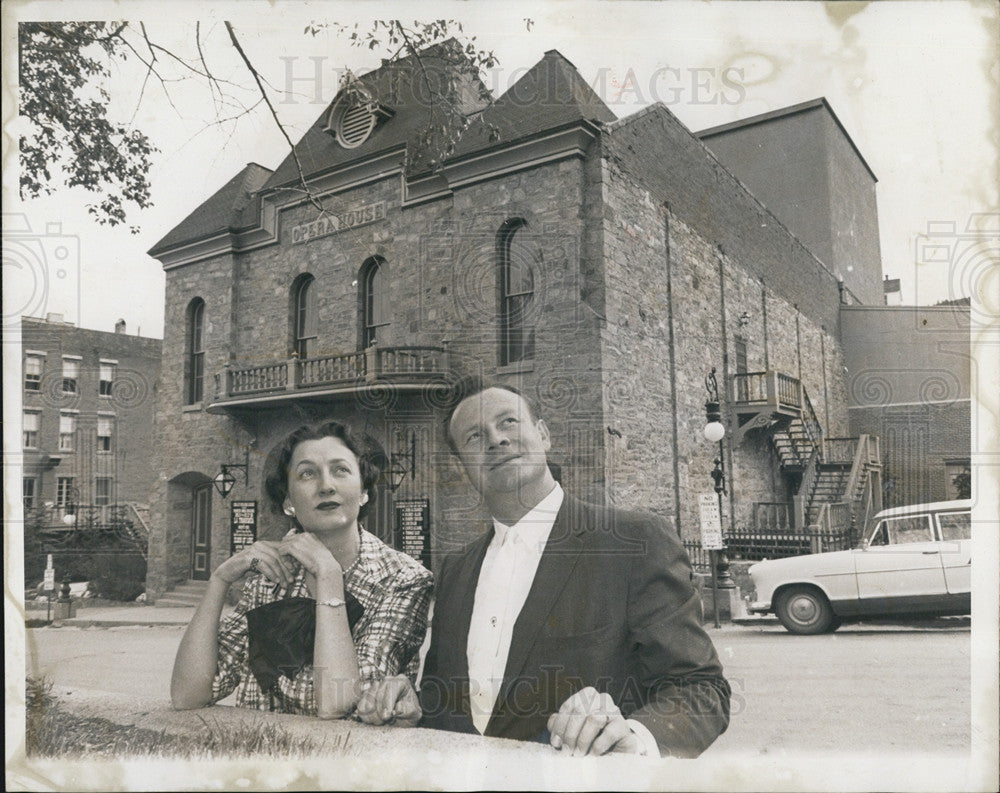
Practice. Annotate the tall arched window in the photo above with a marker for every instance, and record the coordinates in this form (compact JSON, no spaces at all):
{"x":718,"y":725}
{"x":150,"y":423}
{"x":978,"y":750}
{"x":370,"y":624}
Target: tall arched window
{"x":194,"y":369}
{"x":516,"y":290}
{"x":374,"y":300}
{"x":304,"y":316}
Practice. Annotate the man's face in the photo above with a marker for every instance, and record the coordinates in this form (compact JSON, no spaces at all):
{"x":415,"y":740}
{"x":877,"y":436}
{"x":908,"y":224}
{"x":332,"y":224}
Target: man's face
{"x":500,"y":445}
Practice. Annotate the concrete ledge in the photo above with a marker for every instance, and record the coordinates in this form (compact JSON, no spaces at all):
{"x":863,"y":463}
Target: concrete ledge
{"x":344,"y":737}
{"x":352,"y":755}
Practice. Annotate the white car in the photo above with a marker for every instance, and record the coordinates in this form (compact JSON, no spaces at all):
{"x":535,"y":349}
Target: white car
{"x":913,"y":561}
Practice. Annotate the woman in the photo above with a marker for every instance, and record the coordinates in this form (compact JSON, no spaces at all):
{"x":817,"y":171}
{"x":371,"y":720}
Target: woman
{"x":368,"y":603}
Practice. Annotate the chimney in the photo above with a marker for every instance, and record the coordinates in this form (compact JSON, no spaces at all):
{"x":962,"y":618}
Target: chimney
{"x":120,"y":326}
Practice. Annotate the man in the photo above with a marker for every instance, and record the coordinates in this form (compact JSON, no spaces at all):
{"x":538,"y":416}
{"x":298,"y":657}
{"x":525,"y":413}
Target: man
{"x":566,"y":622}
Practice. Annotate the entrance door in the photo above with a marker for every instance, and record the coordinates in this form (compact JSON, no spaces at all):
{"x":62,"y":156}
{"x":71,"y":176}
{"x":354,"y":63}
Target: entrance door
{"x":201,"y":531}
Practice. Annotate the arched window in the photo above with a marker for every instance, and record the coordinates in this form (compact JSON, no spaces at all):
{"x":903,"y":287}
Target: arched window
{"x":194,"y":370}
{"x":374,"y":300}
{"x":516,"y":290}
{"x":304,"y":316}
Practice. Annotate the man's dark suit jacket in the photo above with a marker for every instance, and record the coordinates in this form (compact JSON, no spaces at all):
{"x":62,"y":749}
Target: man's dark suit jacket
{"x":612,"y":606}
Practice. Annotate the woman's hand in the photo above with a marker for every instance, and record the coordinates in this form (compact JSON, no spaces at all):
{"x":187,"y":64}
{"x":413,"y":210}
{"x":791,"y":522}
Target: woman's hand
{"x":312,"y":554}
{"x":269,"y":562}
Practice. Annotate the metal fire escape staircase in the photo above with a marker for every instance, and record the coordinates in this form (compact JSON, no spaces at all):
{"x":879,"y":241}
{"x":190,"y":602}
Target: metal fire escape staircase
{"x":838,"y":479}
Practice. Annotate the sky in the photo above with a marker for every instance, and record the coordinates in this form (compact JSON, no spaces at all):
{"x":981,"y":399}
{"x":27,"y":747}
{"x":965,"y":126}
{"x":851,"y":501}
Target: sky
{"x":914,"y":83}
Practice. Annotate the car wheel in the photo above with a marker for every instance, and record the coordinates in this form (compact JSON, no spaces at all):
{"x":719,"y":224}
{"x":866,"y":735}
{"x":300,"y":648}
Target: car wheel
{"x":805,"y":610}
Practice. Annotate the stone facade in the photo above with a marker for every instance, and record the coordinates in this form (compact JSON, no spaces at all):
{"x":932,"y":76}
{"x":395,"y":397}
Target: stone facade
{"x":650,"y":263}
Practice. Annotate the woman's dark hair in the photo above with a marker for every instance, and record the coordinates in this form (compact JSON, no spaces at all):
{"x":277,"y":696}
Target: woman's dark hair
{"x":371,"y":461}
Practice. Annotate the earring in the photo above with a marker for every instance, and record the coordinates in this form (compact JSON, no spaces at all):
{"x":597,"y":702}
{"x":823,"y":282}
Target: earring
{"x":290,"y":511}
{"x":364,"y":499}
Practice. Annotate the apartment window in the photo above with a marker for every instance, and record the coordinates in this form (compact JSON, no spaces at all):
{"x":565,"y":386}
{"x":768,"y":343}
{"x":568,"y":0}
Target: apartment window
{"x":958,"y":478}
{"x":195,"y":368}
{"x":102,"y":491}
{"x":105,"y":429}
{"x":67,"y":431}
{"x":32,"y":372}
{"x":516,"y":288}
{"x":374,"y":300}
{"x":65,"y":492}
{"x":30,"y":435}
{"x":29,"y":492}
{"x":107,"y":378}
{"x":304,"y":315}
{"x":70,"y":375}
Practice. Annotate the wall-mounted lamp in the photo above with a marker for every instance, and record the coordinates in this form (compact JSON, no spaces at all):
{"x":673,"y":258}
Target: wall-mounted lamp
{"x":744,"y":319}
{"x":397,"y":470}
{"x":225,"y":481}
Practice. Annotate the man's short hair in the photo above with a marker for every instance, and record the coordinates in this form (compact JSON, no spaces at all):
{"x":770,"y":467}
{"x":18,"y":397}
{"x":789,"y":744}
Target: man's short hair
{"x":469,"y":386}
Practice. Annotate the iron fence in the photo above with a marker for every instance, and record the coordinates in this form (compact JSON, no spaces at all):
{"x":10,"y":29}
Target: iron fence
{"x":700,"y":558}
{"x":754,"y":545}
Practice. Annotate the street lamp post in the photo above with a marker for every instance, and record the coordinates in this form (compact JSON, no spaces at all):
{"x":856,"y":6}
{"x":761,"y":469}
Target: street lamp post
{"x":714,"y":432}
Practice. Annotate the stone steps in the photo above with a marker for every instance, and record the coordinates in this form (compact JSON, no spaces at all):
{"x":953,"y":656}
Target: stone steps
{"x":183,"y":595}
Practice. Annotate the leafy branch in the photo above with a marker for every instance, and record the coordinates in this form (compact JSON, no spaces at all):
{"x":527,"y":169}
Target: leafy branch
{"x":71,"y":138}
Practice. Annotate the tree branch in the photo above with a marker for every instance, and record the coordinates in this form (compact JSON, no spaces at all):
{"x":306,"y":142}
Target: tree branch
{"x":274,"y":115}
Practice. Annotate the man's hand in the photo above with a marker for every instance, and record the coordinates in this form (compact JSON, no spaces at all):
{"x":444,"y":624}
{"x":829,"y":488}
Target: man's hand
{"x":590,"y":723}
{"x":390,"y":701}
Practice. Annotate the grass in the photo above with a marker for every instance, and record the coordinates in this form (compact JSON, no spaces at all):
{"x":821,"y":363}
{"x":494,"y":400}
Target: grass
{"x":51,"y":731}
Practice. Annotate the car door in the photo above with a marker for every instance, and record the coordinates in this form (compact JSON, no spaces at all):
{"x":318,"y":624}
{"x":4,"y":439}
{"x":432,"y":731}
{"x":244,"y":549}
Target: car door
{"x":955,"y":531}
{"x":901,"y":568}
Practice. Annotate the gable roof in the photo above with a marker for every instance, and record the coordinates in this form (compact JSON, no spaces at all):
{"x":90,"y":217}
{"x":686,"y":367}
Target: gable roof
{"x":549,"y":95}
{"x":233,"y":206}
{"x":397,"y":85}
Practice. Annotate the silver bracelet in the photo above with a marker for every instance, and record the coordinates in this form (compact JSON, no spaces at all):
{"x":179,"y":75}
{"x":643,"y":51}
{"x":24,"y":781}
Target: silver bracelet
{"x":332,"y":603}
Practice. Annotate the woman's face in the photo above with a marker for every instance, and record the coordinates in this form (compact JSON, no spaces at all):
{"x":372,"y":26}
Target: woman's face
{"x":324,"y":486}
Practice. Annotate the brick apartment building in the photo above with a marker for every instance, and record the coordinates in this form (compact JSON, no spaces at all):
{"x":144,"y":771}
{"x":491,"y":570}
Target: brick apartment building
{"x":603,"y":265}
{"x":911,"y":377}
{"x":87,"y":423}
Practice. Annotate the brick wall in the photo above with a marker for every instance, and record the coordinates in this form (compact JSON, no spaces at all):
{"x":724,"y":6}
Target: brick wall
{"x":130,"y":405}
{"x":917,"y":442}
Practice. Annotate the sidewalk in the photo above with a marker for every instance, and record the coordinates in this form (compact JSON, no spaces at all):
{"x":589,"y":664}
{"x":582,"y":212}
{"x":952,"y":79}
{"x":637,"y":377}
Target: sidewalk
{"x":110,"y":616}
{"x":117,"y":616}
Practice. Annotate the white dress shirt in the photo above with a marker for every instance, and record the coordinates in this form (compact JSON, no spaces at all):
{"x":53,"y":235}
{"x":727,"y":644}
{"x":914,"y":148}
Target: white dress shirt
{"x":505,"y":578}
